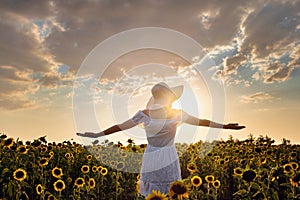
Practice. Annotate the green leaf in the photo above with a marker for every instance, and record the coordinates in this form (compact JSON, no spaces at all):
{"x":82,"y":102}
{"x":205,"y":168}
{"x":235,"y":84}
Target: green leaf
{"x":240,"y":192}
{"x":255,"y":186}
{"x":285,"y":184}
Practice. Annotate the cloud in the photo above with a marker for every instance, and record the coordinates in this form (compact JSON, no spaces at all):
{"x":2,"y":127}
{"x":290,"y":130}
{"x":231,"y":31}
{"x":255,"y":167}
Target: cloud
{"x":37,"y":37}
{"x":281,"y":74}
{"x":15,"y":85}
{"x":257,"y":97}
{"x":230,"y":66}
{"x":267,"y":42}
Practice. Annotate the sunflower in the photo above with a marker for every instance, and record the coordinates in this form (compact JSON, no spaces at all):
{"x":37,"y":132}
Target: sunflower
{"x":179,"y":189}
{"x":287,"y":168}
{"x":209,"y":178}
{"x":196,"y":181}
{"x":238,"y":171}
{"x":51,"y":153}
{"x":22,"y":149}
{"x":89,"y":157}
{"x":49,"y":147}
{"x":39,"y":189}
{"x":51,"y":197}
{"x":221,"y":161}
{"x":236,"y":159}
{"x":249,"y":175}
{"x":43,"y":149}
{"x":99,"y":168}
{"x":104,"y":171}
{"x":120,"y":165}
{"x":293,"y":154}
{"x":79,"y":182}
{"x":134,"y":149}
{"x":67,"y":155}
{"x":57,"y":172}
{"x":3,"y":136}
{"x":91,"y":183}
{"x":94,"y":169}
{"x":227,"y":158}
{"x":130,"y":141}
{"x":216,"y":184}
{"x":263,"y":160}
{"x":36,"y":143}
{"x":85,"y":169}
{"x":217,"y":158}
{"x":192,"y":167}
{"x":156,"y":195}
{"x":59,"y":185}
{"x":124,"y":154}
{"x":8,"y":142}
{"x":295,"y":180}
{"x":120,"y":144}
{"x":69,"y":179}
{"x":294,"y":165}
{"x":104,"y":157}
{"x":20,"y":174}
{"x":257,"y":149}
{"x":43,"y":162}
{"x":112,"y":163}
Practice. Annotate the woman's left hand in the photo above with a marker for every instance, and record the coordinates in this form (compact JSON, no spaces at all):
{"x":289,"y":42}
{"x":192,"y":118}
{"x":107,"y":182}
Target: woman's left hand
{"x":88,"y":134}
{"x":234,"y":126}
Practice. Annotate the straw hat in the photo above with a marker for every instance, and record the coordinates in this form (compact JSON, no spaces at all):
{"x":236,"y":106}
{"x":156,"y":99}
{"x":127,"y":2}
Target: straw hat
{"x":163,"y":95}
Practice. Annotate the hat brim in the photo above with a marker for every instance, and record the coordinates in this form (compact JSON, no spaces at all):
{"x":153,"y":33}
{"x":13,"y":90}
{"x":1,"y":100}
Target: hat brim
{"x":176,"y":93}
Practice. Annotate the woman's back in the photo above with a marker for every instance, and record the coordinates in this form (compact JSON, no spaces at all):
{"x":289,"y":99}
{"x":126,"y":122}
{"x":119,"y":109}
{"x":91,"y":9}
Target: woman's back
{"x":160,"y":125}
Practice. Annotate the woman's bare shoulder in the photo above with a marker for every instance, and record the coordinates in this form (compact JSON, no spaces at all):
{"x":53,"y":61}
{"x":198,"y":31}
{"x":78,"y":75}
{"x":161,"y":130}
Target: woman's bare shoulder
{"x":146,"y":111}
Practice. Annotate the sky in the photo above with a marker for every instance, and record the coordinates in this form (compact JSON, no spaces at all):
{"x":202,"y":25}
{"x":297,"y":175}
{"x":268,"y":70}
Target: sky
{"x":253,"y":46}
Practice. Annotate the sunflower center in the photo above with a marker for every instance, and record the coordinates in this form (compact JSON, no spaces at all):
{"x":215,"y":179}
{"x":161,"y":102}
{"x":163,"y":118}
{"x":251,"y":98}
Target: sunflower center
{"x":59,"y":185}
{"x":22,"y":149}
{"x":57,"y":172}
{"x":20,"y":174}
{"x":196,"y":181}
{"x":249,"y":175}
{"x":8,"y":142}
{"x":91,"y":183}
{"x":43,"y":161}
{"x":120,"y":165}
{"x":179,"y":189}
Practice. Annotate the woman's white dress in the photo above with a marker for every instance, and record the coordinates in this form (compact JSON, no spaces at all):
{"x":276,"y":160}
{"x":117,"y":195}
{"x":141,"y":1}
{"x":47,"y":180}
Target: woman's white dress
{"x":160,"y":164}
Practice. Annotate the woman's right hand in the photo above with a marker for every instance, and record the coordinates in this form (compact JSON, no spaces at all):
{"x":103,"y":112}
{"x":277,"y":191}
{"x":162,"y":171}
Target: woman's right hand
{"x":90,"y":134}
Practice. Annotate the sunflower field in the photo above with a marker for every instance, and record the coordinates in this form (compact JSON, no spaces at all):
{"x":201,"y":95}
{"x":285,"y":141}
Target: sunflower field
{"x":254,"y":168}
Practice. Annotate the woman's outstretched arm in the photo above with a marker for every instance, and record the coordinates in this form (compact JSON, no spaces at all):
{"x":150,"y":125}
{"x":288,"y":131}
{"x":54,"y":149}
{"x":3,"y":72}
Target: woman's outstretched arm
{"x":204,"y":122}
{"x":113,"y":129}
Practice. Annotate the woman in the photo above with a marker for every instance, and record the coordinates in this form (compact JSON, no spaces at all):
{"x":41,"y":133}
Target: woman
{"x":160,"y":165}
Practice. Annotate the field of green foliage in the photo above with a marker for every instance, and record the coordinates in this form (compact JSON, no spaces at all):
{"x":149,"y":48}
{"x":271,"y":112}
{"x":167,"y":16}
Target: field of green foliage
{"x":255,"y":168}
